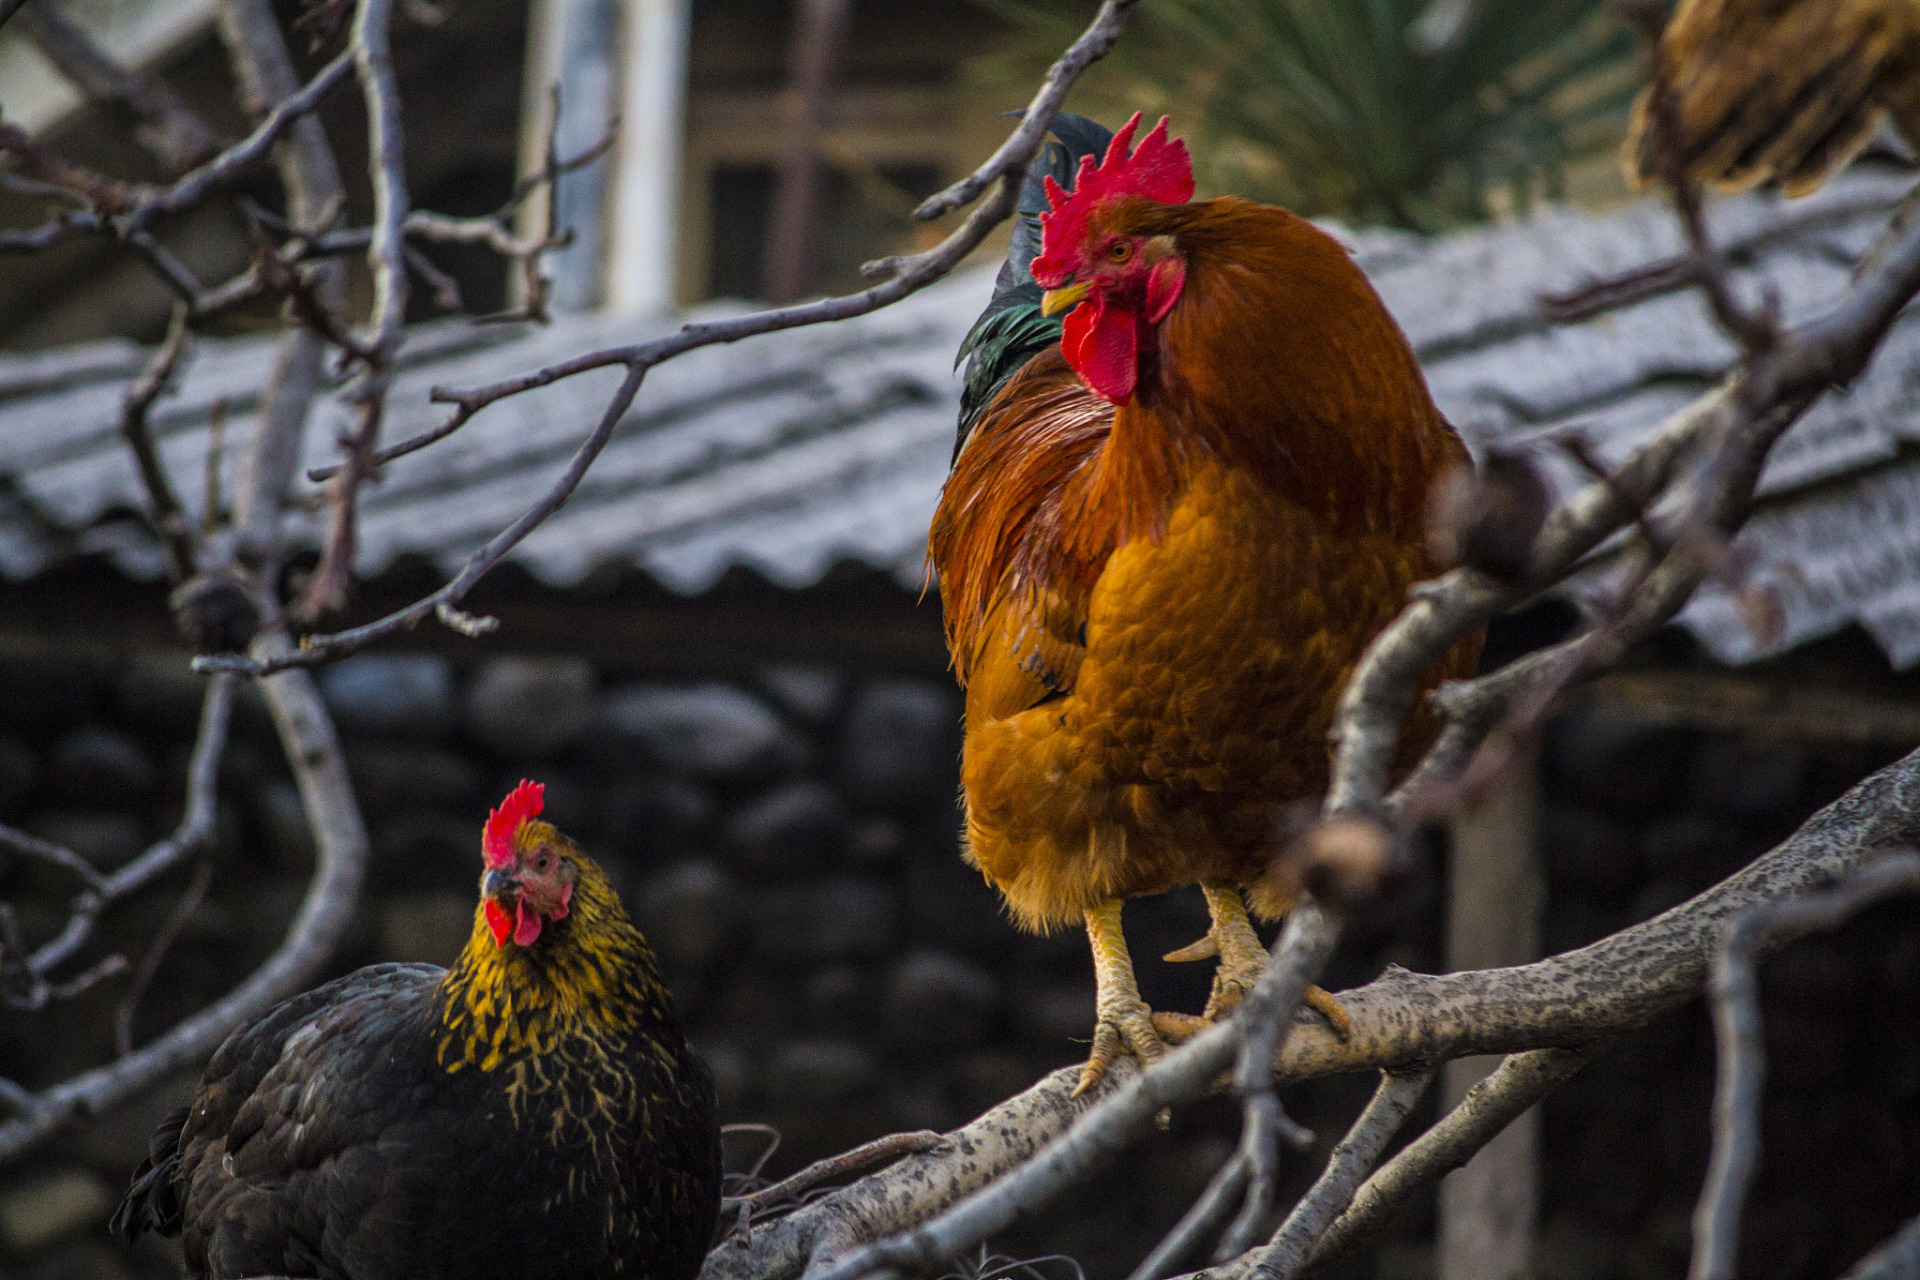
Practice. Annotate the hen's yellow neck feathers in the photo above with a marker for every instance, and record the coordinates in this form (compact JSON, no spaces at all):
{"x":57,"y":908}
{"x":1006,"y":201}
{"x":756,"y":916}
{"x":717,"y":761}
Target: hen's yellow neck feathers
{"x":590,"y":973}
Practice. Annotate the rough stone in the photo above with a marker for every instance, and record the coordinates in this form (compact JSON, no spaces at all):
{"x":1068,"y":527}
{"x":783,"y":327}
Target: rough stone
{"x":1053,"y":1013}
{"x":19,"y":771}
{"x":712,"y":731}
{"x":839,"y":1000}
{"x":732,"y":1075}
{"x":876,"y":842}
{"x":429,"y":927}
{"x":811,"y":695}
{"x":900,"y":743}
{"x":35,"y":1213}
{"x":1751,"y":781}
{"x":688,"y":915}
{"x":161,"y":694}
{"x":843,"y":918}
{"x":654,"y":818}
{"x":402,"y":694}
{"x":426,"y":849}
{"x":405,"y":777}
{"x":989,"y":1077}
{"x":1588,"y":852}
{"x":950,"y":904}
{"x":46,"y":691}
{"x":820,"y":1073}
{"x":107,"y":840}
{"x":793,"y":829}
{"x":530,"y":708}
{"x":283,"y":821}
{"x":1616,"y":764}
{"x":96,"y":766}
{"x":936,"y":1001}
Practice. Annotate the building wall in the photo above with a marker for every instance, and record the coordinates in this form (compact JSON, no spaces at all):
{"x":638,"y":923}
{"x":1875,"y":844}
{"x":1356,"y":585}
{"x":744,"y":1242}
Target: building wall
{"x":786,"y":835}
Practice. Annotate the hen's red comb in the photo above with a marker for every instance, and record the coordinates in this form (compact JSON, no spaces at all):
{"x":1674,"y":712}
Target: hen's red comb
{"x":1159,"y":169}
{"x":522,"y":803}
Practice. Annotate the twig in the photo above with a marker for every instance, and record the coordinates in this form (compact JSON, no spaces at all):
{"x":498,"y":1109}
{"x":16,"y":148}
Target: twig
{"x":910,"y":275}
{"x":1013,"y":154}
{"x":1352,"y":1160}
{"x":1741,"y":419}
{"x":157,"y":950}
{"x":195,"y":829}
{"x":1742,"y":1051}
{"x":171,"y":129}
{"x":1119,"y":1115}
{"x":1263,"y":1020}
{"x":1400,"y":1021}
{"x":57,"y":855}
{"x":313,"y":754}
{"x":169,"y":519}
{"x":866,"y":1156}
{"x":1489,"y":1107}
{"x":386,"y":258}
{"x":229,"y":164}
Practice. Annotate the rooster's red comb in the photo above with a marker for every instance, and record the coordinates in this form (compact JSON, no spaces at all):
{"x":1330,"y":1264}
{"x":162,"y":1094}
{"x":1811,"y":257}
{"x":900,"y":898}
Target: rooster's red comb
{"x":524,"y":802}
{"x":1159,"y":169}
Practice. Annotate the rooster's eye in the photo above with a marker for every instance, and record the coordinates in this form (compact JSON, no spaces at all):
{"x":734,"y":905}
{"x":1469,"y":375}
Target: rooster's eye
{"x":1121,"y":251}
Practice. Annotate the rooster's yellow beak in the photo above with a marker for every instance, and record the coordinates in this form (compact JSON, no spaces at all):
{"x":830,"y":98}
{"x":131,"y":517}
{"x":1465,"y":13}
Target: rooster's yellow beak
{"x":1054,"y":301}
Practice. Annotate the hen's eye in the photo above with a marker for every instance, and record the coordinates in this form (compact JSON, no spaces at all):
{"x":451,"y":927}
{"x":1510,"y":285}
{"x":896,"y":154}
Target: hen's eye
{"x":542,"y":862}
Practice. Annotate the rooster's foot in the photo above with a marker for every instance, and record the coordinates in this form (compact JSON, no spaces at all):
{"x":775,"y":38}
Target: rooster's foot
{"x":1125,"y":1023}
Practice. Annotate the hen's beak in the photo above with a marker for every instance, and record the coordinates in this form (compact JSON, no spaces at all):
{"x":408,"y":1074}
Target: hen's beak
{"x":499,"y":883}
{"x":1054,"y":301}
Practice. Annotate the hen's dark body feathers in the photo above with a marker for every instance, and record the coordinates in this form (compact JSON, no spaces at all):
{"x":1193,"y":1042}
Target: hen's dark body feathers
{"x":342,"y":1136}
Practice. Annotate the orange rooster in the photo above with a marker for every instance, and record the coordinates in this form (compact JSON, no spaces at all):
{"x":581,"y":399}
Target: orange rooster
{"x":1163,"y":546}
{"x":1787,"y":90}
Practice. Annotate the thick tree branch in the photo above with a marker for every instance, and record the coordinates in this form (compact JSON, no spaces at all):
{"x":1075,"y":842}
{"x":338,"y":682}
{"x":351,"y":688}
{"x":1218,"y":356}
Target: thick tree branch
{"x":1402,"y":1021}
{"x":1489,"y":1107}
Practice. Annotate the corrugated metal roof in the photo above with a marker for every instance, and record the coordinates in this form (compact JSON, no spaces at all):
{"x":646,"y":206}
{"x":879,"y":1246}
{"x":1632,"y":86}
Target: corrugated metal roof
{"x":789,"y":453}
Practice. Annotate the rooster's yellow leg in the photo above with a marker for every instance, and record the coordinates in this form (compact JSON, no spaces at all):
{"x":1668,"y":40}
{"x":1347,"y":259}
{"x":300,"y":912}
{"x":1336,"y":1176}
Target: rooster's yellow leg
{"x":1242,"y":961}
{"x":1124,"y":1021}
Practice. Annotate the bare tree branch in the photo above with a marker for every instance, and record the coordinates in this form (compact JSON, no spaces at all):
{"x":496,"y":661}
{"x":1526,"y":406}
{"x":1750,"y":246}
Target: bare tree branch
{"x":192,"y":835}
{"x":1036,"y":1142}
{"x":1489,"y":1107}
{"x":1742,"y":1049}
{"x":169,"y":518}
{"x":171,"y":129}
{"x":909,"y":274}
{"x":1346,"y":1169}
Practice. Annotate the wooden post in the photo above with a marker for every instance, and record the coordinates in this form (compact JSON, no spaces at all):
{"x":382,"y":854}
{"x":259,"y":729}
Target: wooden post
{"x":1497,"y":889}
{"x":792,"y":222}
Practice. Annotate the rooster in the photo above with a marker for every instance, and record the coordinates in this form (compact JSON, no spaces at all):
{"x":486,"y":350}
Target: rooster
{"x":1179,"y":515}
{"x":1787,"y":90}
{"x":532,"y":1111}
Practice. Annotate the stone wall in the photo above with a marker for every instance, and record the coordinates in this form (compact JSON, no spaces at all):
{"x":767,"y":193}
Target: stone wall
{"x":787,"y":839}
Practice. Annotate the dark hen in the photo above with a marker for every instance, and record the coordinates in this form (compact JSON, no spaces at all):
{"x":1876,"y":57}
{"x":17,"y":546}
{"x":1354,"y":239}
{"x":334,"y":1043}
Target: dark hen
{"x":533,"y":1111}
